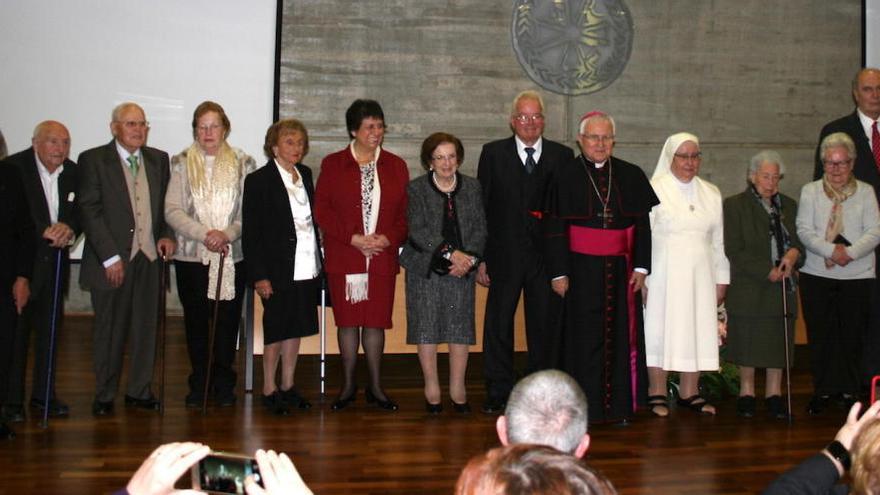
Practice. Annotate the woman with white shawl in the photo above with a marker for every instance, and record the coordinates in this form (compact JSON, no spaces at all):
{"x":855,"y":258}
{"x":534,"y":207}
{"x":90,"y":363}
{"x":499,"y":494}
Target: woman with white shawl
{"x":689,"y":276}
{"x":203,"y":206}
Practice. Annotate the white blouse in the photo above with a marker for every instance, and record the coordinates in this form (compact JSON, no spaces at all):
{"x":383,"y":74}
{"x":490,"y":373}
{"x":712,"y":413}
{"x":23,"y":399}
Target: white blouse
{"x":306,"y":264}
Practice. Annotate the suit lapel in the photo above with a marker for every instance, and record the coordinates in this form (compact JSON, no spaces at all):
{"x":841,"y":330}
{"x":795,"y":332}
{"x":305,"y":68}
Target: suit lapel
{"x":115,"y":179}
{"x":279,"y":195}
{"x":34,"y":188}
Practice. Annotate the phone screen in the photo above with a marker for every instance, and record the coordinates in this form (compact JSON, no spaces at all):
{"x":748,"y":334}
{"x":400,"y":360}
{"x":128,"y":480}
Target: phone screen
{"x":225,"y":473}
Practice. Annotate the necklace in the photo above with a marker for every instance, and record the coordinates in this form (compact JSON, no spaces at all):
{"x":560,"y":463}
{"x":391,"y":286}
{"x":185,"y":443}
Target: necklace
{"x":606,"y":215}
{"x":447,"y":189}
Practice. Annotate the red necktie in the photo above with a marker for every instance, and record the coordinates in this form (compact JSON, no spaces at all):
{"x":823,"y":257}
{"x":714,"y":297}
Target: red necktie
{"x":875,"y":144}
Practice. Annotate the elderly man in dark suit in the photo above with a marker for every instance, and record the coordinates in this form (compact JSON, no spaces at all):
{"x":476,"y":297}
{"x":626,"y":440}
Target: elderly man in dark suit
{"x":49,"y":179}
{"x":862,"y":127}
{"x":122,"y":194}
{"x":514,"y":173}
{"x":16,"y":266}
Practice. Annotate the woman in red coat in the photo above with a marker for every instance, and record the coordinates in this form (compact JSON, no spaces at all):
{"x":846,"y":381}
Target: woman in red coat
{"x":360,"y":204}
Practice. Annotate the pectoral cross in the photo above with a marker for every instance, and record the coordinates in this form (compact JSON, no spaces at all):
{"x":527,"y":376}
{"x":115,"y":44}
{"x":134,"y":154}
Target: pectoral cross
{"x":607,"y":216}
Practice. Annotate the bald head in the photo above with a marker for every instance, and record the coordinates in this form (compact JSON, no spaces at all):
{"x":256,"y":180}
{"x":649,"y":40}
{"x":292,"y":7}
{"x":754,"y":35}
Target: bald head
{"x":51,"y":143}
{"x":866,"y":91}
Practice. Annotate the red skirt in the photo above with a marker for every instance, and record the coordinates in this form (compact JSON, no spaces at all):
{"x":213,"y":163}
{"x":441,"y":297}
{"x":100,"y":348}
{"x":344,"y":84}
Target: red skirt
{"x":375,"y":312}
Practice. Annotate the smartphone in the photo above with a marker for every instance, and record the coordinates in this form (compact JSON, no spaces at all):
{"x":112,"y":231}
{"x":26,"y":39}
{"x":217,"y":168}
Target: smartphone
{"x":222,"y":472}
{"x":875,"y":393}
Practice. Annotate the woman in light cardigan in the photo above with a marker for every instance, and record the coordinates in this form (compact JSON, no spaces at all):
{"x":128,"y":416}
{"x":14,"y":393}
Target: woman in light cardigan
{"x":203,"y":206}
{"x":839,"y":225}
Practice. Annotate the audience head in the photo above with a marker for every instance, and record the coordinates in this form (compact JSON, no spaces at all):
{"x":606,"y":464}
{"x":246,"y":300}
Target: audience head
{"x":527,"y":117}
{"x":866,"y":91}
{"x":596,"y":136}
{"x":129,"y":126}
{"x":530,"y":470}
{"x":866,"y":460}
{"x":765,"y":171}
{"x":210,"y":126}
{"x":51,"y":143}
{"x":4,"y":151}
{"x":549,"y":408}
{"x":287,"y":141}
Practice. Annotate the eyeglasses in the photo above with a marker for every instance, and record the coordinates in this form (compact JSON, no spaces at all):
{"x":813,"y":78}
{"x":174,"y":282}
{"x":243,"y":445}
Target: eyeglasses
{"x":837,"y":163}
{"x":135,"y":124}
{"x":445,"y":158}
{"x":525,"y":119}
{"x":209,"y":128}
{"x":596,"y":139}
{"x":695,"y":156}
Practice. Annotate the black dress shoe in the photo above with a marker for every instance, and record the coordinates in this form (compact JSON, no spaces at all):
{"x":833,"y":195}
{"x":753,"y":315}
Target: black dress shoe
{"x":493,"y":406}
{"x":224,"y":400}
{"x":102,"y":408}
{"x":293,"y":398}
{"x":433,"y":408}
{"x":6,"y":432}
{"x":463,"y":408}
{"x":818,"y":404}
{"x":387,"y":404}
{"x":193,"y":401}
{"x":57,"y":409}
{"x":745,"y":406}
{"x":776,"y":409}
{"x":342,"y":402}
{"x":12,"y":414}
{"x":275,"y":404}
{"x":150,"y":403}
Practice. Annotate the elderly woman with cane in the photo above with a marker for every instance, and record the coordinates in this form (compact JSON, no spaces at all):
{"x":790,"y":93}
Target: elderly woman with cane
{"x":203,"y":206}
{"x":764,"y":251}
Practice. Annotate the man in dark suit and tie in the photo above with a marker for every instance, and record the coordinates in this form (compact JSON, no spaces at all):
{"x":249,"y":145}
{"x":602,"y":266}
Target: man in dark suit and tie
{"x":122,"y":195}
{"x":16,"y":267}
{"x":514,"y":174}
{"x":862,"y":127}
{"x":50,"y":181}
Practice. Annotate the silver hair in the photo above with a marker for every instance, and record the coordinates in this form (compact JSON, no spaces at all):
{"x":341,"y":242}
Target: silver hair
{"x":4,"y":151}
{"x":526,"y":95}
{"x":838,"y":140}
{"x":548,"y":408}
{"x":599,"y":116}
{"x":766,"y":156}
{"x":118,"y":109}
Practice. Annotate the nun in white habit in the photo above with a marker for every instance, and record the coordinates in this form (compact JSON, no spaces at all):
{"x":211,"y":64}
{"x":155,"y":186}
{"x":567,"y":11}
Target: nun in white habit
{"x":688,"y":279}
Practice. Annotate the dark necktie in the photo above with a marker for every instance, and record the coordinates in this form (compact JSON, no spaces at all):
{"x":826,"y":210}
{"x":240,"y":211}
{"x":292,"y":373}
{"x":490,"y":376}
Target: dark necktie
{"x":530,"y":160}
{"x":875,"y":144}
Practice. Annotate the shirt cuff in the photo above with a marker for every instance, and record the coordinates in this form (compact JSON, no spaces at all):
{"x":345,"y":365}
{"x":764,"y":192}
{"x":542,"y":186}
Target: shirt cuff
{"x":110,"y":261}
{"x":641,"y":270}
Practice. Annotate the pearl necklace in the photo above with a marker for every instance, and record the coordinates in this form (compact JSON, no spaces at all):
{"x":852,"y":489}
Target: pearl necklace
{"x":448,"y":189}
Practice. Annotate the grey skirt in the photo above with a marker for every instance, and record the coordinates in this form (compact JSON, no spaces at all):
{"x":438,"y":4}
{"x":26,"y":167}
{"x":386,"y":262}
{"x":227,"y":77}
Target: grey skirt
{"x":440,"y":309}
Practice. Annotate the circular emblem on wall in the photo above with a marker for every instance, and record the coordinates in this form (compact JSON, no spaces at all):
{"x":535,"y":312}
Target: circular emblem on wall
{"x":572,"y":47}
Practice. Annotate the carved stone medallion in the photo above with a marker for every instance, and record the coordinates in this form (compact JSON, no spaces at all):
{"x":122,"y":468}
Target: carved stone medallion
{"x":572,"y":47}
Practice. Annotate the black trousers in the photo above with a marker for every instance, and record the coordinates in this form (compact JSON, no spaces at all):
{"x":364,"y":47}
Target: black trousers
{"x":531,"y":280}
{"x":192,"y":287}
{"x":836,"y":313}
{"x":37,"y":319}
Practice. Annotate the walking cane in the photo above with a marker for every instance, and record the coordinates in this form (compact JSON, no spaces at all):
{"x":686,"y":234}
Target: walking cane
{"x":212,"y":330}
{"x":776,"y":225}
{"x":323,"y":331}
{"x":163,"y":289}
{"x":50,"y":362}
{"x":787,"y":350}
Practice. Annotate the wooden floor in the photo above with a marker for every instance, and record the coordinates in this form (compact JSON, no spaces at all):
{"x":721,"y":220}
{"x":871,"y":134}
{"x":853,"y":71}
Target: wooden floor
{"x":365,"y":450}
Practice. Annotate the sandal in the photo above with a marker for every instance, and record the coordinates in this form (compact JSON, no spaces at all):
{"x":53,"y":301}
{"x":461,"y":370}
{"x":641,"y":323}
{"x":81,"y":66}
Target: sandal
{"x":659,"y":405}
{"x":697,"y":403}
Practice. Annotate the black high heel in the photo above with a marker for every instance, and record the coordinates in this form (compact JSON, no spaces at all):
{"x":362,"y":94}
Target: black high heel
{"x":463,"y":408}
{"x":433,"y":408}
{"x":343,"y":402}
{"x":387,"y":404}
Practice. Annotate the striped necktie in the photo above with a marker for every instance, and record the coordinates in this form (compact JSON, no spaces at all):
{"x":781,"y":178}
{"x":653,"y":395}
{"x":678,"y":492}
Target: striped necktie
{"x":133,"y":164}
{"x":875,"y":144}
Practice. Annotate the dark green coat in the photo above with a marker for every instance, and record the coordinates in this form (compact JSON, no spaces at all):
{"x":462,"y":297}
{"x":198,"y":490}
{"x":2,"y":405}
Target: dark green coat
{"x":754,"y":304}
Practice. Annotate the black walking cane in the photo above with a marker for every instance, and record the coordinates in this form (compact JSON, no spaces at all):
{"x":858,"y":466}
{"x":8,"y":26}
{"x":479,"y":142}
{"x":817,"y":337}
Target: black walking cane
{"x":776,"y":225}
{"x":50,"y":362}
{"x":212,"y":330}
{"x":163,"y":289}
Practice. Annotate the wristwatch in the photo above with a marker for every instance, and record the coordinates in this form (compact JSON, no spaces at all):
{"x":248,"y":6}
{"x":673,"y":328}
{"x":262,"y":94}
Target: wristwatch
{"x":839,"y":452}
